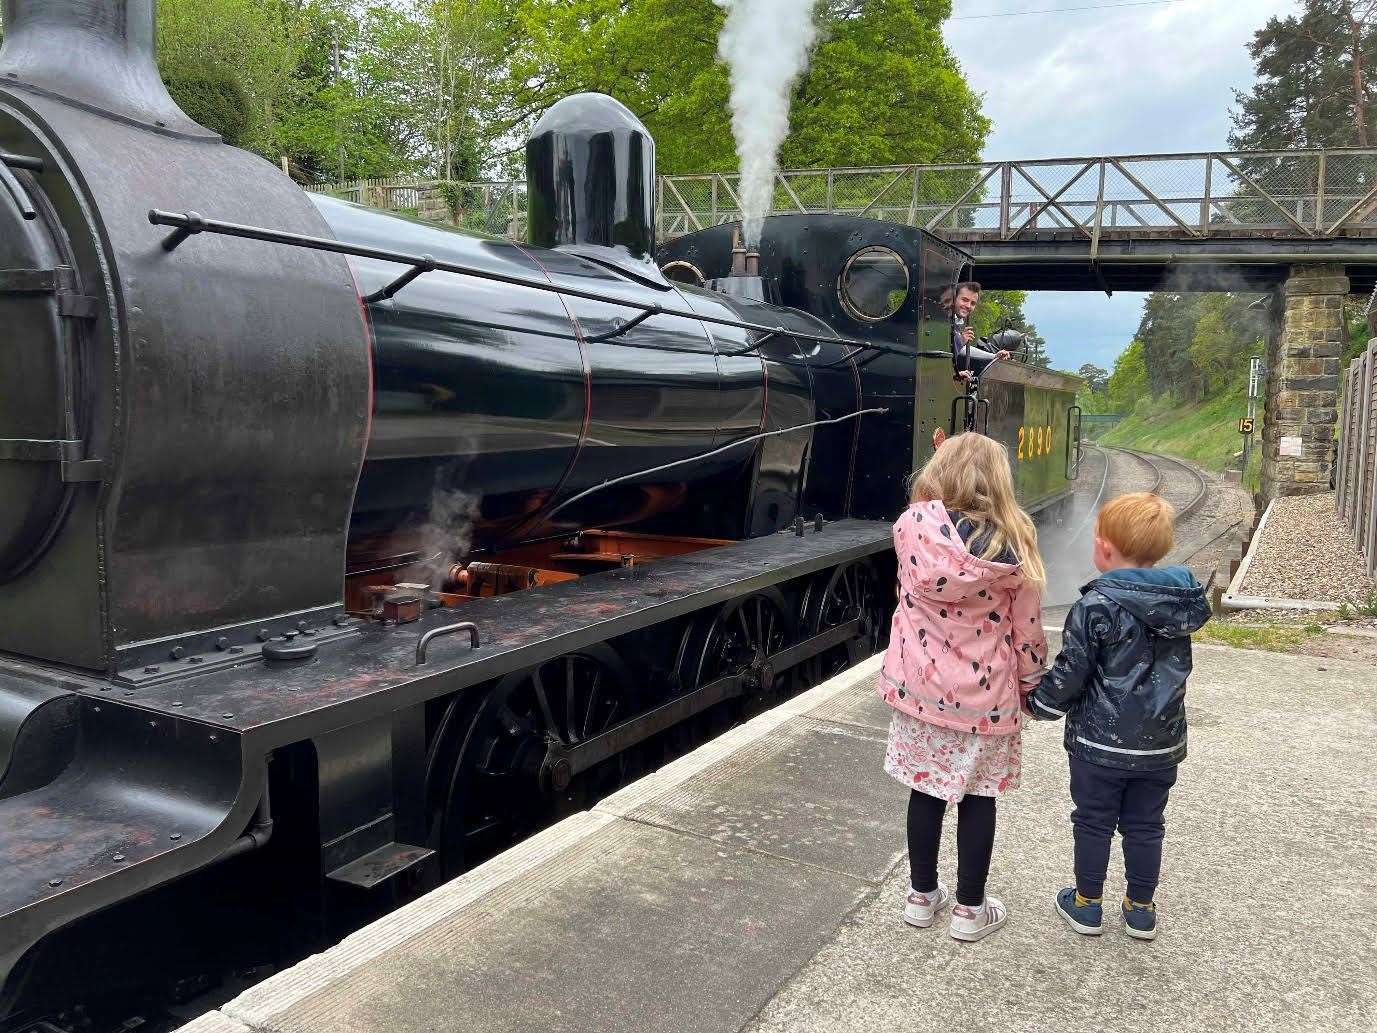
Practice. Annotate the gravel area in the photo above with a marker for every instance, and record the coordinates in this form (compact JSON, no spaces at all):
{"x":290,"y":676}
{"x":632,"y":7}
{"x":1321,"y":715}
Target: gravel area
{"x":1305,"y":553}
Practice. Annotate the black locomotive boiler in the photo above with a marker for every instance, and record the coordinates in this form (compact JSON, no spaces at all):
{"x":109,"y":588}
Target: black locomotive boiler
{"x":338,"y":550}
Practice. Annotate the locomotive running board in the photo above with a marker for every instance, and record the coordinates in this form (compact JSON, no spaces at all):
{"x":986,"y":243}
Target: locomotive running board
{"x":373,"y":673}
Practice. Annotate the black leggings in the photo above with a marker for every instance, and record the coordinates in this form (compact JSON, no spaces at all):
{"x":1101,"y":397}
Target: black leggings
{"x":975,"y":832}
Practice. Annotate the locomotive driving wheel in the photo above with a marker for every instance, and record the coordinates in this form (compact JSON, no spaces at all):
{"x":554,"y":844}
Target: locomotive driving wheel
{"x":494,"y":786}
{"x":739,"y":639}
{"x":849,"y":592}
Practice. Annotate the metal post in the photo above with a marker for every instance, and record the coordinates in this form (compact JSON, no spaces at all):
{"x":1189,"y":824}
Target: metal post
{"x":1254,"y":380}
{"x":1099,"y":216}
{"x":714,"y":199}
{"x":339,"y":125}
{"x":831,"y":191}
{"x":1205,"y":201}
{"x":1319,"y":192}
{"x":1006,"y":190}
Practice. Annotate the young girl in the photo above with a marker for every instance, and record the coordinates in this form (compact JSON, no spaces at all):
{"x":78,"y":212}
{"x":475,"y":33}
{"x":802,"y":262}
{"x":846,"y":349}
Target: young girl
{"x":966,"y":641}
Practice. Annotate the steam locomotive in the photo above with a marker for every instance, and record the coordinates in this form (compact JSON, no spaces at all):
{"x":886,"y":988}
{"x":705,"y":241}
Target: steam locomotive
{"x":338,"y":550}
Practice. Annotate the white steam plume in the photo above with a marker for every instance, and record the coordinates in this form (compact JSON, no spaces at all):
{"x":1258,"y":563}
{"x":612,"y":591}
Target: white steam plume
{"x":765,"y":45}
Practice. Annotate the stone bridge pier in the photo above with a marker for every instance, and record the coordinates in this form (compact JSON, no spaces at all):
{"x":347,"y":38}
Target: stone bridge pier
{"x":1303,"y":352}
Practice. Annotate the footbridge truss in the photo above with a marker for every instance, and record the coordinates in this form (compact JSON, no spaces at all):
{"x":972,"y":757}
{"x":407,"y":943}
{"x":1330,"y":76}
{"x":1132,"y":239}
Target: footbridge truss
{"x":1206,"y":220}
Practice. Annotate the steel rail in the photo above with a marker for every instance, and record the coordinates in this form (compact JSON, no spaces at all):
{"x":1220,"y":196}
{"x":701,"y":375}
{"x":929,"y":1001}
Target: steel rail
{"x":1202,"y":491}
{"x":1099,"y":495}
{"x":1142,"y":457}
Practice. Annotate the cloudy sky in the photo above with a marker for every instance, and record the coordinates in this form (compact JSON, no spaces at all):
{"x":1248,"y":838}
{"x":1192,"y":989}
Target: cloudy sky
{"x":1120,"y":78}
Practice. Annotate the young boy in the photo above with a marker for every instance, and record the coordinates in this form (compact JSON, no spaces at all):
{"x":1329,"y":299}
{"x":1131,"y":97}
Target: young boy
{"x":1120,"y":682}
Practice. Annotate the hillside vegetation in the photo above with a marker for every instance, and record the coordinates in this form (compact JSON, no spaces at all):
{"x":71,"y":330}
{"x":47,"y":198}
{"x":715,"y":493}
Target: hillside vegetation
{"x":1204,"y":432}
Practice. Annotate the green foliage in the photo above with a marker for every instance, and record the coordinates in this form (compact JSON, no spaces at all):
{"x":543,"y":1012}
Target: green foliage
{"x":1206,"y":432}
{"x":1194,"y":344}
{"x":232,"y":61}
{"x":882,"y":87}
{"x":1355,"y":319}
{"x":216,"y":101}
{"x":999,"y":310}
{"x":350,"y":89}
{"x":1214,"y":346}
{"x":1314,"y":74}
{"x":1096,"y":378}
{"x":1093,"y":403}
{"x":1129,"y":380}
{"x":1272,"y":638}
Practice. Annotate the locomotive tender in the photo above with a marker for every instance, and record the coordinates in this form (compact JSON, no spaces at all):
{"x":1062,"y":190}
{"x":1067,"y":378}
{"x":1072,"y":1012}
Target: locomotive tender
{"x":338,"y":550}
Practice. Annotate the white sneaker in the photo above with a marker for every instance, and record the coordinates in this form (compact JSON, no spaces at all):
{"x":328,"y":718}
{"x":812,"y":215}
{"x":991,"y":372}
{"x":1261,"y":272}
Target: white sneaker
{"x":920,"y":908}
{"x":971,"y":924}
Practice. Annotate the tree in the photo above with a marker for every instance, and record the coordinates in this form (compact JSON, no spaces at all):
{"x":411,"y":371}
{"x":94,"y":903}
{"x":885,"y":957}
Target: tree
{"x":882,"y":87}
{"x":1129,"y":381}
{"x":999,"y":310}
{"x":1314,"y":79}
{"x":231,"y":62}
{"x":1212,"y":344}
{"x":1095,"y":377}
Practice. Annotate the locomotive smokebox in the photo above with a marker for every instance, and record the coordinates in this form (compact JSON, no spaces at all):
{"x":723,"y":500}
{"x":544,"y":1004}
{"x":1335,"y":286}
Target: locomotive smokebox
{"x":99,"y":55}
{"x":590,"y":166}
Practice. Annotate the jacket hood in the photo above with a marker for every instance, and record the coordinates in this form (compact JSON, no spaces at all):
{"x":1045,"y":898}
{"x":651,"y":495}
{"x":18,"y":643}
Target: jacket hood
{"x":1167,"y":600}
{"x":949,"y":567}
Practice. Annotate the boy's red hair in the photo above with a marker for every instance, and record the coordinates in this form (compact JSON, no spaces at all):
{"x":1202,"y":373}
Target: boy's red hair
{"x":1140,"y":525}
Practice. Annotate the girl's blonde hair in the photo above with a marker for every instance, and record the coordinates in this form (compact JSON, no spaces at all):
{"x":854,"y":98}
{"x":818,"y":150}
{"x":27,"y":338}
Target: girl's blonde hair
{"x":971,"y":473}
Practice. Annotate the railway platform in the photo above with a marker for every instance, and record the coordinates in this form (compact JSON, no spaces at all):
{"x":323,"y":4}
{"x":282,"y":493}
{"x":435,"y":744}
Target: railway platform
{"x":755,"y":883}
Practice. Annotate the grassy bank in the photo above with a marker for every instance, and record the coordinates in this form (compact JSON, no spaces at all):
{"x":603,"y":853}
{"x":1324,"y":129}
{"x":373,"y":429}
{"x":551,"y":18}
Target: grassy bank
{"x":1204,"y":432}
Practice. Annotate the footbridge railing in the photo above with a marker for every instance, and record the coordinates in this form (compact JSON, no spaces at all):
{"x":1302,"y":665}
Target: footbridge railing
{"x":1278,"y":194}
{"x":1300,"y":194}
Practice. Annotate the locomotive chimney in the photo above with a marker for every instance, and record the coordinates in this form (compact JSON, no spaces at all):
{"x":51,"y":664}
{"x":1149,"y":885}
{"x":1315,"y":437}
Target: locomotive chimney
{"x":590,"y":170}
{"x":738,"y":254}
{"x":97,"y":54}
{"x":743,"y":279}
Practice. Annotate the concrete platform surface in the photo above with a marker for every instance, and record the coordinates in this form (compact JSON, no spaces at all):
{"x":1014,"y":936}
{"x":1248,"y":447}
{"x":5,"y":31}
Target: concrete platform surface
{"x":755,"y":884}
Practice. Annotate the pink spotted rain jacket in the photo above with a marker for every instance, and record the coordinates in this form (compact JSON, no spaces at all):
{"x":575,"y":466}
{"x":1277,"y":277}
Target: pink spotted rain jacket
{"x":966,"y":635}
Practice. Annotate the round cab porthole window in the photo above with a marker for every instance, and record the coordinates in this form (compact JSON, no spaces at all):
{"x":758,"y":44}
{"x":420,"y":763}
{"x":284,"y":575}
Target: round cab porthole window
{"x":684,"y":272}
{"x":873,"y":284}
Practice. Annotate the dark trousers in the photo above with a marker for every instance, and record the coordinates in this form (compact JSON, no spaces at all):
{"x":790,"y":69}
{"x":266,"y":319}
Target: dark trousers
{"x":1132,"y":801}
{"x":975,"y":832}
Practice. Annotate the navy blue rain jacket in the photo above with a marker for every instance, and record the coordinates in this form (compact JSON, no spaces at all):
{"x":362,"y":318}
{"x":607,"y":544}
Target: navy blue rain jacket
{"x":1120,"y":678}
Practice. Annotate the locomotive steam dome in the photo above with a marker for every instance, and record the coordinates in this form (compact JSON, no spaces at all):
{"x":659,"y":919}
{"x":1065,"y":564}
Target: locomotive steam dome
{"x":590,"y":166}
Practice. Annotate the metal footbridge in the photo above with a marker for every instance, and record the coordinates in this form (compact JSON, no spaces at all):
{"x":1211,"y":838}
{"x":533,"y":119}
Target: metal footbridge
{"x":1205,"y":220}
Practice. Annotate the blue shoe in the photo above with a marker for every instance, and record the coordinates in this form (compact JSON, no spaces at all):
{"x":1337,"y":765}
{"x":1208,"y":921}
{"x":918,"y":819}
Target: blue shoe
{"x":1084,"y":916}
{"x":1140,"y":920}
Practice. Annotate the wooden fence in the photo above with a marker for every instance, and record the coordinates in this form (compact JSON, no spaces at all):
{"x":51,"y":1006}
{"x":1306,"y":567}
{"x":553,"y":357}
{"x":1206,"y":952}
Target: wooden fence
{"x":1356,"y":497}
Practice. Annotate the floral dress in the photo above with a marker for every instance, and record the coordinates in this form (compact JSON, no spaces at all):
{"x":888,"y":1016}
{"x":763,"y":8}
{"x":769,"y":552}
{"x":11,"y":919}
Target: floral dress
{"x":949,"y":764}
{"x":935,"y":757}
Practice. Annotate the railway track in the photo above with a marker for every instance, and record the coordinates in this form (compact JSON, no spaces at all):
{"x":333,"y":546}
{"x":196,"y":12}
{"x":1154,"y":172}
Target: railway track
{"x":1124,"y":470}
{"x":1177,"y":481}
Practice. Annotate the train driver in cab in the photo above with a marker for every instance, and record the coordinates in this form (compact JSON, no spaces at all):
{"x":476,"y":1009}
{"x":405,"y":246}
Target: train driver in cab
{"x":958,"y":303}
